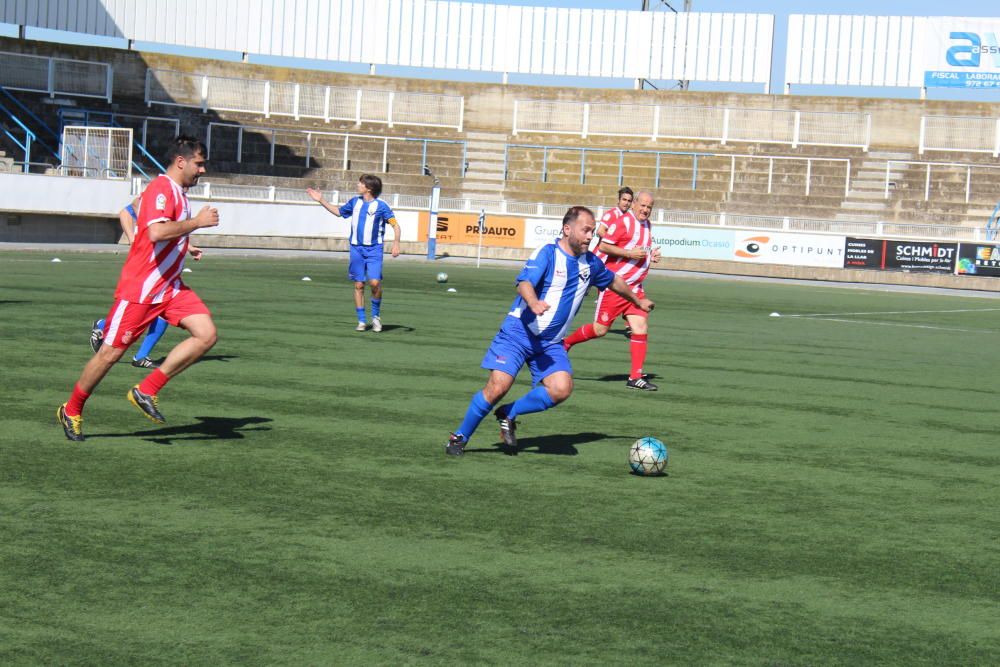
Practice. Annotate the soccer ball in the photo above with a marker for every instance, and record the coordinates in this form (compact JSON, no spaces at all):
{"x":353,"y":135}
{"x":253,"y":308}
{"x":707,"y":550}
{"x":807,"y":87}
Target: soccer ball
{"x":647,"y":456}
{"x":442,"y":277}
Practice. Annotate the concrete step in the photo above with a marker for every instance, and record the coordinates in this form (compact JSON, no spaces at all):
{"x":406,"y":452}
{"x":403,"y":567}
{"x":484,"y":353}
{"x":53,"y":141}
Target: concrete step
{"x":486,"y":186}
{"x":486,"y":136}
{"x":484,"y":156}
{"x":866,"y":194}
{"x":856,"y":217}
{"x":890,"y":155}
{"x":878,"y":176}
{"x":863,"y":206}
{"x":880,"y":165}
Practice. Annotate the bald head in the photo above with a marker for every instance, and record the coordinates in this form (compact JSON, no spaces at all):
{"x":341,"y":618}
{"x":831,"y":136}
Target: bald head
{"x":643,"y":206}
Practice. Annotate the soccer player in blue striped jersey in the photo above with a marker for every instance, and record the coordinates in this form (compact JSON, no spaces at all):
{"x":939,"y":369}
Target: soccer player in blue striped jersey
{"x":369,"y":215}
{"x":550,"y":289}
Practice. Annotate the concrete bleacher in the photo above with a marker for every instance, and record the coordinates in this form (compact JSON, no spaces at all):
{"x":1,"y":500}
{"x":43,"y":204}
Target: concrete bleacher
{"x":737,"y":178}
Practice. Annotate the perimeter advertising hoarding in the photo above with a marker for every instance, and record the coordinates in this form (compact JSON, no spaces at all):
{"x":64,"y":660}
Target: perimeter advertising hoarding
{"x":888,"y":255}
{"x":463,"y":228}
{"x":793,"y":249}
{"x":978,"y":259}
{"x":962,"y":53}
{"x":694,"y":243}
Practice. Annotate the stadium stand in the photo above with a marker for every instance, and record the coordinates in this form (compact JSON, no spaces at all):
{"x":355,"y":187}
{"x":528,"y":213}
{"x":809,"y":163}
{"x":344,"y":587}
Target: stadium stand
{"x":904,"y":161}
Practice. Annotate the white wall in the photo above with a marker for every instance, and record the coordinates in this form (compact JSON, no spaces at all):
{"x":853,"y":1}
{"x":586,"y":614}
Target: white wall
{"x":35,"y":193}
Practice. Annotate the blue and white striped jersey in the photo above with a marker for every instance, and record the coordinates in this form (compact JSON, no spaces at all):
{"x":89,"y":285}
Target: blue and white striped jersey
{"x":561,"y":281}
{"x":368,"y":220}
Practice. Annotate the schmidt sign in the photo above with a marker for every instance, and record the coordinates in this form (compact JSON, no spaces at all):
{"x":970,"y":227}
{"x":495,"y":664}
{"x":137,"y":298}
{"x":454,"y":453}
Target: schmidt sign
{"x":966,"y":55}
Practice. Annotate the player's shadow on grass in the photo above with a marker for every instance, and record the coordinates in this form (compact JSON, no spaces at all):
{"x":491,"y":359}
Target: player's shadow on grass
{"x":222,"y":357}
{"x":563,"y":444}
{"x":208,"y":428}
{"x":397,"y":327}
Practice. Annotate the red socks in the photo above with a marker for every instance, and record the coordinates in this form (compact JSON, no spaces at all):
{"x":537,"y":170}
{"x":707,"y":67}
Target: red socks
{"x":76,"y":400}
{"x":638,"y":350}
{"x":154,"y":383}
{"x":584,"y":333}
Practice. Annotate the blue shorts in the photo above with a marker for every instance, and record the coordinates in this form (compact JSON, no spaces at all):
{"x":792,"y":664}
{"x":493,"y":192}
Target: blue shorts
{"x":366,"y":263}
{"x":511,"y":349}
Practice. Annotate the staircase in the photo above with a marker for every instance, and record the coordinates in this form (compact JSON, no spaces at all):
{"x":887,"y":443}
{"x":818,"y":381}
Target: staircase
{"x":484,"y":178}
{"x":866,"y":200}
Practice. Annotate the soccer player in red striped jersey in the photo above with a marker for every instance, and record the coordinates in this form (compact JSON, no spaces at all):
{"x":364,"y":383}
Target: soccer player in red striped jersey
{"x":625,"y":199}
{"x":628,"y":245}
{"x":150,"y":286}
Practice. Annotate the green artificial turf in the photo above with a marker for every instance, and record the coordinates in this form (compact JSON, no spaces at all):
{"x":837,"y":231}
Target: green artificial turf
{"x":832,"y":496}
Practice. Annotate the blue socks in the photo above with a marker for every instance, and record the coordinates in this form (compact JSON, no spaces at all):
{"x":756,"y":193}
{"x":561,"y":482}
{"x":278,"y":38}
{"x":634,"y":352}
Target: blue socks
{"x":536,"y":400}
{"x":478,"y":409}
{"x":361,"y":313}
{"x":153,"y":335}
{"x":376,"y":307}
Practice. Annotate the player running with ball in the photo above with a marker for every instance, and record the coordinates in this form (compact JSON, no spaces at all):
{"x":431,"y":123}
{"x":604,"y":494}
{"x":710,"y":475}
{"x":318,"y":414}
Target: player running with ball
{"x":550,"y":289}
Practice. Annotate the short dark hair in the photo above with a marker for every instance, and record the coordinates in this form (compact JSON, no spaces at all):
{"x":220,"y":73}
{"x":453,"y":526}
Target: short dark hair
{"x":184,"y":146}
{"x":373,"y":183}
{"x":575,"y":212}
{"x":626,"y":191}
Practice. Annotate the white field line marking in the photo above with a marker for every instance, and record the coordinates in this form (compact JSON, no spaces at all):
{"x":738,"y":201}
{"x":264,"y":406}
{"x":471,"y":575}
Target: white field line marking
{"x":890,"y":324}
{"x":897,"y":312}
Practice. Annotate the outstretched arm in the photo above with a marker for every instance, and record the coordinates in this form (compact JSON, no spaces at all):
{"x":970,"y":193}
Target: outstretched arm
{"x":621,"y":288}
{"x":317,"y":196}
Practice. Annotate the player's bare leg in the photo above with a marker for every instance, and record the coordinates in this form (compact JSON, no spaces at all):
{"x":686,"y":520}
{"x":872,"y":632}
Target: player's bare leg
{"x":559,"y":385}
{"x":98,"y":367}
{"x":203,"y":337}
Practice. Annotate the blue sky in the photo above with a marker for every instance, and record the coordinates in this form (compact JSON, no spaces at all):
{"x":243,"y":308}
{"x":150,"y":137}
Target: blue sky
{"x":779,"y":8}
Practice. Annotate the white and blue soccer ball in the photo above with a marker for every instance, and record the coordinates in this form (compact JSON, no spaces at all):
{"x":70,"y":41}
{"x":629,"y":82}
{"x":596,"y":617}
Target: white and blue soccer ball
{"x":647,"y":456}
{"x":442,"y":277}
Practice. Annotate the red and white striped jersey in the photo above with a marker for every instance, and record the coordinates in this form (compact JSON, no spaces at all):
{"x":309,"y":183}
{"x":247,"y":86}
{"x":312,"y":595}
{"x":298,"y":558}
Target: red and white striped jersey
{"x":626,"y":233}
{"x":152,"y":272}
{"x":610,"y":216}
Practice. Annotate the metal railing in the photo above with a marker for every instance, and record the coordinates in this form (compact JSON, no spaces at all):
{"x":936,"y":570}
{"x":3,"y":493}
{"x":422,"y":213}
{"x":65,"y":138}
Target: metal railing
{"x":694,"y":156}
{"x":964,"y":171}
{"x":29,"y":136}
{"x":56,"y":76}
{"x":725,"y":125}
{"x":39,"y":123}
{"x":273,"y":194}
{"x":993,"y":224}
{"x":279,"y":98}
{"x":960,"y":133}
{"x":312,"y":138}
